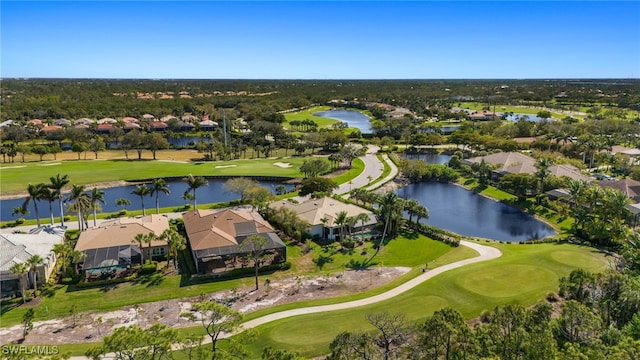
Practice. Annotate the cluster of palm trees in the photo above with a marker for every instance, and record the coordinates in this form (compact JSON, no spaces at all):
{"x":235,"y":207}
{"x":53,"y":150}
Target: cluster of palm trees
{"x":30,"y":269}
{"x":390,"y":209}
{"x":81,"y":202}
{"x":343,"y":220}
{"x":175,"y":242}
{"x":158,"y":186}
{"x":599,"y":213}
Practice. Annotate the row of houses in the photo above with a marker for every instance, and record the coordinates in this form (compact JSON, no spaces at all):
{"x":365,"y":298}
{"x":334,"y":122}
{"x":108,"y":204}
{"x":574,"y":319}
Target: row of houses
{"x":215,"y":239}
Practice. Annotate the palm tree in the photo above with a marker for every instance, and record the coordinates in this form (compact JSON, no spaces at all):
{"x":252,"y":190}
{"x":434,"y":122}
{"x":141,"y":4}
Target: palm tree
{"x":193,"y":183}
{"x":324,"y":220}
{"x":341,"y":220}
{"x":141,"y":190}
{"x":362,"y":217}
{"x":62,"y":251}
{"x":542,"y":174}
{"x":96,"y":196}
{"x":140,"y":239}
{"x":35,"y":194}
{"x":20,"y":269}
{"x":50,"y":196}
{"x":82,"y":202}
{"x":412,"y":207}
{"x":123,"y":202}
{"x":57,"y":183}
{"x":176,"y":242}
{"x":33,"y":262}
{"x":158,"y":186}
{"x":75,"y":256}
{"x":421,"y":213}
{"x":389,"y":206}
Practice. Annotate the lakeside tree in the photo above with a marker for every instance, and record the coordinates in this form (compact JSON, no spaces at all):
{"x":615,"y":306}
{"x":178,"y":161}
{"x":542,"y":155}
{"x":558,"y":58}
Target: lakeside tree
{"x":314,"y":167}
{"x":141,"y":190}
{"x":193,"y":183}
{"x":96,"y":196}
{"x":35,"y":193}
{"x":158,"y":186}
{"x":317,"y":185}
{"x":240,"y":186}
{"x":57,"y":184}
{"x":156,"y":142}
{"x":97,"y":145}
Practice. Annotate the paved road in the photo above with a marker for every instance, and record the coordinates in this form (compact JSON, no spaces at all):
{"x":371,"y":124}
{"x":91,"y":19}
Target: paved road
{"x":373,"y":169}
{"x":485,"y":253}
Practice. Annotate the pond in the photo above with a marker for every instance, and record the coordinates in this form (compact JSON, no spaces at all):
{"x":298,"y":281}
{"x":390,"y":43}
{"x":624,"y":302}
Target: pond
{"x":464,"y":212}
{"x":430,"y":158}
{"x":212,"y":193}
{"x":184,"y":141}
{"x":516,"y":117}
{"x":355,"y":119}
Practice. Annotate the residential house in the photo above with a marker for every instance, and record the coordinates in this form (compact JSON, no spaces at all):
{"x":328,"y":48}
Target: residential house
{"x":629,"y":187}
{"x":215,"y":238}
{"x":111,"y":244}
{"x":518,"y":163}
{"x":321,"y":215}
{"x":18,"y":248}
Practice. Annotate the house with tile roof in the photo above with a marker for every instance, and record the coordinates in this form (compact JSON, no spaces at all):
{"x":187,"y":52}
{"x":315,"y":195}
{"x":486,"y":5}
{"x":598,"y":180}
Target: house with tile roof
{"x":215,"y":238}
{"x":112,"y":245}
{"x":627,"y":186}
{"x":518,"y":163}
{"x":321,"y":215}
{"x":18,"y":248}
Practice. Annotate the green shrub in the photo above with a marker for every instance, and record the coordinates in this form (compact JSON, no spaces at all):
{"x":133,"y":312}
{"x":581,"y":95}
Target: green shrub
{"x":98,"y":283}
{"x":20,"y":221}
{"x":147,"y":269}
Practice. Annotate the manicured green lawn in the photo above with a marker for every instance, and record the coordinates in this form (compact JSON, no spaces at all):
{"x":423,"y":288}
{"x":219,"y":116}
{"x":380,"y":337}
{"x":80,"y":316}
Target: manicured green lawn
{"x":399,"y":252}
{"x":523,"y":275}
{"x":15,"y":176}
{"x":307,"y":114}
{"x":357,"y":167}
{"x":514,"y":109}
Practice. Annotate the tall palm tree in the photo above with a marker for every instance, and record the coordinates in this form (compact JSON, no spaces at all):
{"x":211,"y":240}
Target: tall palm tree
{"x":341,"y":219}
{"x":193,"y":183}
{"x":33,"y":262}
{"x":50,"y":196}
{"x":421,"y":213}
{"x":388,"y":210}
{"x":123,"y":202}
{"x":81,"y":203}
{"x":542,"y":174}
{"x":96,"y":196}
{"x":411,"y":206}
{"x":57,"y":184}
{"x":35,"y":193}
{"x":141,"y":190}
{"x":20,"y":269}
{"x":159,"y":186}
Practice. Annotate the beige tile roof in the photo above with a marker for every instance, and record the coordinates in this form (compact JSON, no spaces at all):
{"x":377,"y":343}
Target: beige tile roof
{"x":211,"y":229}
{"x":629,"y":187}
{"x":122,"y":231}
{"x":313,"y":210}
{"x":517,"y":163}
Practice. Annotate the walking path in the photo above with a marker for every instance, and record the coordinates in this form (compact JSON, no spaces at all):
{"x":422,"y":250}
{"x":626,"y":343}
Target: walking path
{"x":485,"y":253}
{"x":373,"y":169}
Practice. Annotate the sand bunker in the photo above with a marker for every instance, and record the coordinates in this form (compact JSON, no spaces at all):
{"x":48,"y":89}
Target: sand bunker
{"x":12,"y":167}
{"x":225,"y":166}
{"x":50,"y":164}
{"x":283,"y":165}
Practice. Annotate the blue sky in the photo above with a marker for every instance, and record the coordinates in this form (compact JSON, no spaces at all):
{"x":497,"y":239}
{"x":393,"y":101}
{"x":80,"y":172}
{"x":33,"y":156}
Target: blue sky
{"x":320,"y":40}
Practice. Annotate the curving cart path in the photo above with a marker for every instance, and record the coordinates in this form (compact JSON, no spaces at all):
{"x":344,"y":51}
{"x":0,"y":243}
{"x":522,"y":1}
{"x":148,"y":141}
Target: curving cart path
{"x":485,"y":253}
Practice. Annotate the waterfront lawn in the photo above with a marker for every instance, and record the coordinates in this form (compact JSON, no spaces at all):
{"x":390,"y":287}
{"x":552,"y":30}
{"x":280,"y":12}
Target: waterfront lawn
{"x":307,"y":114}
{"x":91,"y":172}
{"x":523,"y":275}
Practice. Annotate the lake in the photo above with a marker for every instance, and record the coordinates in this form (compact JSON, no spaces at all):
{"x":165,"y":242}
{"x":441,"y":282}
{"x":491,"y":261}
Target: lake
{"x":516,"y":117}
{"x":355,"y":119}
{"x":430,"y":158}
{"x":212,"y":193}
{"x":464,"y":212}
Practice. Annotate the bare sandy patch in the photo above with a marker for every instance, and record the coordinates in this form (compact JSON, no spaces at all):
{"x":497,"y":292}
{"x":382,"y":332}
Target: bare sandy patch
{"x":52,"y":164}
{"x":12,"y":167}
{"x":225,"y":166}
{"x":283,"y":165}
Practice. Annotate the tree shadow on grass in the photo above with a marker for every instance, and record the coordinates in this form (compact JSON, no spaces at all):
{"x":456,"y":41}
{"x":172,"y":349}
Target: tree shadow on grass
{"x":109,"y":287}
{"x":321,"y":260}
{"x":362,"y":264}
{"x":150,"y":280}
{"x":479,"y":188}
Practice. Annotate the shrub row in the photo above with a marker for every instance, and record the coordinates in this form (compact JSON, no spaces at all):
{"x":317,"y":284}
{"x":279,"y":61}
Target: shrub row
{"x":435,"y":233}
{"x":98,"y":283}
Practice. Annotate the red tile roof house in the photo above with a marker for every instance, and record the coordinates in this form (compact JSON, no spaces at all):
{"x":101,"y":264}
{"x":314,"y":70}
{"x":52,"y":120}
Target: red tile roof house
{"x":215,"y":238}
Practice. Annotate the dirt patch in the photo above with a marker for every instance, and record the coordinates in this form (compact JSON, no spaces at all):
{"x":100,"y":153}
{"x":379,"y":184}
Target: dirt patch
{"x":92,"y":327}
{"x":283,"y":165}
